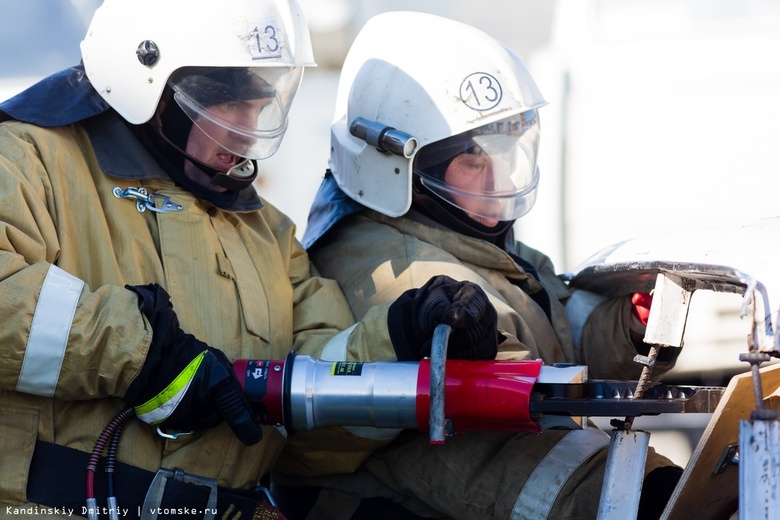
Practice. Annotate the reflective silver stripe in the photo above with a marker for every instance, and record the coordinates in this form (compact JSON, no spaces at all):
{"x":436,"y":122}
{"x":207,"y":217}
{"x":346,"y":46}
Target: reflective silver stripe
{"x":336,"y":349}
{"x":548,"y":478}
{"x":49,"y":333}
{"x":374,"y":434}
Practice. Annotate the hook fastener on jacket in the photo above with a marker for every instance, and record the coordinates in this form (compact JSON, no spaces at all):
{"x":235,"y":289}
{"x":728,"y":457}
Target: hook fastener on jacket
{"x":145,"y":200}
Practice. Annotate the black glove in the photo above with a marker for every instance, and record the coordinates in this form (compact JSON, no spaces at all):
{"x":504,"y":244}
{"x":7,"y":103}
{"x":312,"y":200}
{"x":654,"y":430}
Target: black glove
{"x":184,"y":383}
{"x":462,"y":305}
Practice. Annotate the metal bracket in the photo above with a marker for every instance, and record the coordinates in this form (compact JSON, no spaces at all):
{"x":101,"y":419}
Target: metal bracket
{"x":154,"y":495}
{"x":438,"y":424}
{"x":729,"y":457}
{"x":175,"y":434}
{"x":669,"y":312}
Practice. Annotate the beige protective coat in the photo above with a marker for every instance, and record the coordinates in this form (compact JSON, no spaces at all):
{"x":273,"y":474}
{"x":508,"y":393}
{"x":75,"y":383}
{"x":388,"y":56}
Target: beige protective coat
{"x":481,"y":474}
{"x":239,"y":281}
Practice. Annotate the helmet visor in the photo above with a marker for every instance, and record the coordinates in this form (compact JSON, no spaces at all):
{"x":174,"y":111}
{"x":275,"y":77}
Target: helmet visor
{"x":489,"y":171}
{"x":244,"y":110}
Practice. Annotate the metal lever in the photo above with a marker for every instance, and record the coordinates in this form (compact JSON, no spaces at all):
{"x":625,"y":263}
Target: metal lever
{"x":437,"y":421}
{"x":154,"y":495}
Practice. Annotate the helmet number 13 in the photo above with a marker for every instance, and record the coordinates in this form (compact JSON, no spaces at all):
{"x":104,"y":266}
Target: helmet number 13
{"x":480,"y":91}
{"x":264,"y":42}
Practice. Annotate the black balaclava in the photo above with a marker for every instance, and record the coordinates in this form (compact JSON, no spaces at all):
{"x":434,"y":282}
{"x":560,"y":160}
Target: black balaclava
{"x":449,"y":215}
{"x":171,"y":160}
{"x":434,"y":161}
{"x":172,"y":126}
{"x":454,"y":218}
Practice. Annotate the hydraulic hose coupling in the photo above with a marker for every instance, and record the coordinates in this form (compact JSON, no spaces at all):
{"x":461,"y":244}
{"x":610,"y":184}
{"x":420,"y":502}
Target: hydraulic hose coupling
{"x":263,"y":383}
{"x":303,"y":392}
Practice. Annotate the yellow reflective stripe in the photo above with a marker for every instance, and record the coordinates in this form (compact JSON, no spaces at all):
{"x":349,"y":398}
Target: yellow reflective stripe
{"x":161,"y":406}
{"x":49,"y":333}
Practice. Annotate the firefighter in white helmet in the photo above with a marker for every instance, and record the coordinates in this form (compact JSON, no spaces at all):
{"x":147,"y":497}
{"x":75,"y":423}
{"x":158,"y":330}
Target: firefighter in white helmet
{"x":137,"y":261}
{"x":433,"y":158}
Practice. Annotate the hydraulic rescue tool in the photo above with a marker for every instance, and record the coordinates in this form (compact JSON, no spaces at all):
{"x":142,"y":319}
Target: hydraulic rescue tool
{"x":302,"y":392}
{"x":445,"y":397}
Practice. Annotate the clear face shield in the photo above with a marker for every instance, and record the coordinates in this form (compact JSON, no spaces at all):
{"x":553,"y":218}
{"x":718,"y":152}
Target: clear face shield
{"x":489,"y":172}
{"x":244,"y":110}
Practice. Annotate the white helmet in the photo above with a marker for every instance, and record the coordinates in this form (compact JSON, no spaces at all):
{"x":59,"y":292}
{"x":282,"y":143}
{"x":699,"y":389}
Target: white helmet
{"x":134,"y":47}
{"x":417,"y":90}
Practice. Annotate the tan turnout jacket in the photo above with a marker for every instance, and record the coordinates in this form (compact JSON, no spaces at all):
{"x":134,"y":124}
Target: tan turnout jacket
{"x":477,"y":475}
{"x":239,"y":281}
{"x":375,"y":258}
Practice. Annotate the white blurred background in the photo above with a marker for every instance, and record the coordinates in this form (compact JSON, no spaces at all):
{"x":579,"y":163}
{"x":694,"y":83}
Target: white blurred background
{"x":662,"y":114}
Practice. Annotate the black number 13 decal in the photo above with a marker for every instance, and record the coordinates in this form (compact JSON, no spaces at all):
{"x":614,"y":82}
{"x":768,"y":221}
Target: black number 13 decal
{"x":480,"y":91}
{"x":269,"y":38}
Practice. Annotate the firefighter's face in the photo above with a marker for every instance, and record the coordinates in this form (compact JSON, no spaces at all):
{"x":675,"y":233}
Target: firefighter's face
{"x":474,"y":173}
{"x":205,"y":136}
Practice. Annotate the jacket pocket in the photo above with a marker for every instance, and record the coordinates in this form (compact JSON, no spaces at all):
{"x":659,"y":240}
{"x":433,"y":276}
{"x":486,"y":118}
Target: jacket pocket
{"x":238,"y":267}
{"x":18,"y":429}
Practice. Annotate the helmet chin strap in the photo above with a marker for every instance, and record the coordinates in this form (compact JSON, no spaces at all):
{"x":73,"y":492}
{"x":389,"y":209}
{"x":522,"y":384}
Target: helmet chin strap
{"x":240,"y":176}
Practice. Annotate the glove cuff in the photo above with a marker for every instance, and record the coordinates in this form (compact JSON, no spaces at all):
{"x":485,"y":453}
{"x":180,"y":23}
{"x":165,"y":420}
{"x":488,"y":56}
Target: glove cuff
{"x":401,"y":324}
{"x":154,"y":303}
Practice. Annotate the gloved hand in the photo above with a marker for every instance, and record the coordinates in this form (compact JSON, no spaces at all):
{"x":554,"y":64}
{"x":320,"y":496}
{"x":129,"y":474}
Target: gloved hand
{"x":640,"y":311}
{"x":641,"y":306}
{"x":184,"y":383}
{"x":462,"y":305}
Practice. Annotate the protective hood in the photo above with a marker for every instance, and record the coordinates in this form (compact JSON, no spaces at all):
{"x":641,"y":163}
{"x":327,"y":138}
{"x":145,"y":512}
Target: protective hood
{"x":330,"y":206}
{"x":63,"y":98}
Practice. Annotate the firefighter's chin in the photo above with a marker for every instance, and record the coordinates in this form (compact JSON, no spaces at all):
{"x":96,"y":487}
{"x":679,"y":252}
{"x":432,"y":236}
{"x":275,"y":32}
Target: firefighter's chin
{"x":485,"y":221}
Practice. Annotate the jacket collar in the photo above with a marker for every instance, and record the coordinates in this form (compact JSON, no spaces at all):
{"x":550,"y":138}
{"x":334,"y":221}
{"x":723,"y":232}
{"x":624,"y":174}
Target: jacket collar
{"x":330,"y":206}
{"x":132,"y":161}
{"x":63,"y":98}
